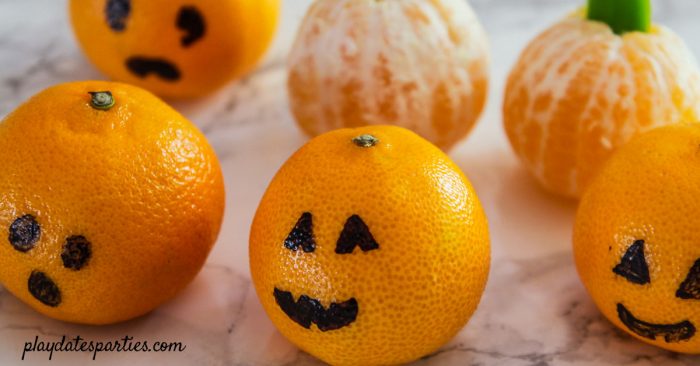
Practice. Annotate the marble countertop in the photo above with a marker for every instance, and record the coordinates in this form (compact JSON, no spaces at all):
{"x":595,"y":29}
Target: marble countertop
{"x":534,"y":312}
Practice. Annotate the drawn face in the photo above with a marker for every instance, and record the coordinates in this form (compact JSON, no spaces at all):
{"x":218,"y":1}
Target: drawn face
{"x":634,"y":268}
{"x":189,"y":21}
{"x":25,"y":235}
{"x":306,"y":310}
{"x":177,"y":48}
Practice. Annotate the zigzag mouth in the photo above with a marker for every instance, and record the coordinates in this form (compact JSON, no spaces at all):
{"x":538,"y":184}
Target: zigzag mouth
{"x":672,"y":333}
{"x":307,"y":311}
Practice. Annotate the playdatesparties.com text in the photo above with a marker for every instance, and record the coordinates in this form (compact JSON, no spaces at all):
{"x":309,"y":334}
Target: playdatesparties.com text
{"x":79,"y":344}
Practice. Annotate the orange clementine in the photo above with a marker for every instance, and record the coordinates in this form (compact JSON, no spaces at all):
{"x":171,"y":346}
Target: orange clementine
{"x":579,"y":91}
{"x":176,"y":49}
{"x":419,"y":64}
{"x":111,"y":203}
{"x":369,"y":247}
{"x":636,"y":238}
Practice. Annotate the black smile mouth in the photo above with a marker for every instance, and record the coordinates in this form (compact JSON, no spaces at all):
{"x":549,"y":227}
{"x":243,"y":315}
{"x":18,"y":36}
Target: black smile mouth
{"x":143,"y":66}
{"x":672,"y":333}
{"x":307,"y":311}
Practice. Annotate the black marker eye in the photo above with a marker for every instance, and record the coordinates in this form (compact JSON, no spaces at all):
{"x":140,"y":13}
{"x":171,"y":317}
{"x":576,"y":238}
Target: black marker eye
{"x":302,"y":234}
{"x":76,"y":252}
{"x":355,"y":232}
{"x":24,"y":233}
{"x":633,"y":265}
{"x":690,"y":288}
{"x":190,"y":20}
{"x":117,"y":11}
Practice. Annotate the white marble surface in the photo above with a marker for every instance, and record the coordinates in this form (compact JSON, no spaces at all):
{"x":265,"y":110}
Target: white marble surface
{"x":534,"y":311}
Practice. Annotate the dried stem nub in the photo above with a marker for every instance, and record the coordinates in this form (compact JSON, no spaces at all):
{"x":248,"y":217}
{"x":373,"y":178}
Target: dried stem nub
{"x":102,"y":100}
{"x":365,"y":140}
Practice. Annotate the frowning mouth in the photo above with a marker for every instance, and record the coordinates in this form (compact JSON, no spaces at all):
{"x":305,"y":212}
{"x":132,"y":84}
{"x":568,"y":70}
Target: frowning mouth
{"x":144,"y":66}
{"x":672,"y":333}
{"x":307,"y":311}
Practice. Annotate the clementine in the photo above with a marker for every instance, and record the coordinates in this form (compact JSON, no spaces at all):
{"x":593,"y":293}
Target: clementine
{"x":369,"y":247}
{"x":110,"y":198}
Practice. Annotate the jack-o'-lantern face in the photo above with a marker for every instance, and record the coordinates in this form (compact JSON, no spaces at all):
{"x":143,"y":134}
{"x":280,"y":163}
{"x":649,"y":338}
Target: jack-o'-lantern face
{"x":174,"y":48}
{"x":369,"y":247}
{"x":645,"y":279}
{"x":636,"y":238}
{"x":647,"y":283}
{"x":634,"y":268}
{"x":306,"y":310}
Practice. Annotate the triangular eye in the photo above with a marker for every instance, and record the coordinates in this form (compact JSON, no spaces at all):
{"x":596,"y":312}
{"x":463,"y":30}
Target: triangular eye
{"x":633,"y":265}
{"x":355,"y":232}
{"x":690,"y":288}
{"x":302,"y":235}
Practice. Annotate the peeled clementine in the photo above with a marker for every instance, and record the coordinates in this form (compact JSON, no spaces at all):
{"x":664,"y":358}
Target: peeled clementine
{"x":369,"y":247}
{"x":419,"y":64}
{"x":176,"y":49}
{"x":111,"y":201}
{"x":636,"y":238}
{"x":579,"y":91}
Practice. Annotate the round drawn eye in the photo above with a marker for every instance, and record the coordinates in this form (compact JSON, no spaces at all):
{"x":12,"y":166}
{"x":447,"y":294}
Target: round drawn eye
{"x":24,"y":233}
{"x":76,"y":252}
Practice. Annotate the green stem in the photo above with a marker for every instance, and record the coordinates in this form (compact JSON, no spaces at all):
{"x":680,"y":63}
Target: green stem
{"x":365,"y":140}
{"x":102,"y":100}
{"x":622,"y":15}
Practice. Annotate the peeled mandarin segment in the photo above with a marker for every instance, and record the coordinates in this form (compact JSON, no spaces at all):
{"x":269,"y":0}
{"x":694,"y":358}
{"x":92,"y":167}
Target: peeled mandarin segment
{"x":579,"y":91}
{"x":369,"y":247}
{"x":419,"y":64}
{"x":636,"y":241}
{"x":622,"y":15}
{"x":176,"y":49}
{"x":112,"y":201}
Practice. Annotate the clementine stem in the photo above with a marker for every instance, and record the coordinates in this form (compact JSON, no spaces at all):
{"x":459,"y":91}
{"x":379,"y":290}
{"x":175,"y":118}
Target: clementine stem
{"x":622,"y":15}
{"x":101,"y":100}
{"x":365,"y":140}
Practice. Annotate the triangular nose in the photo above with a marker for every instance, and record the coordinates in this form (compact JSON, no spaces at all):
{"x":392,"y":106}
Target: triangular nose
{"x":355,"y":232}
{"x":633,"y":265}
